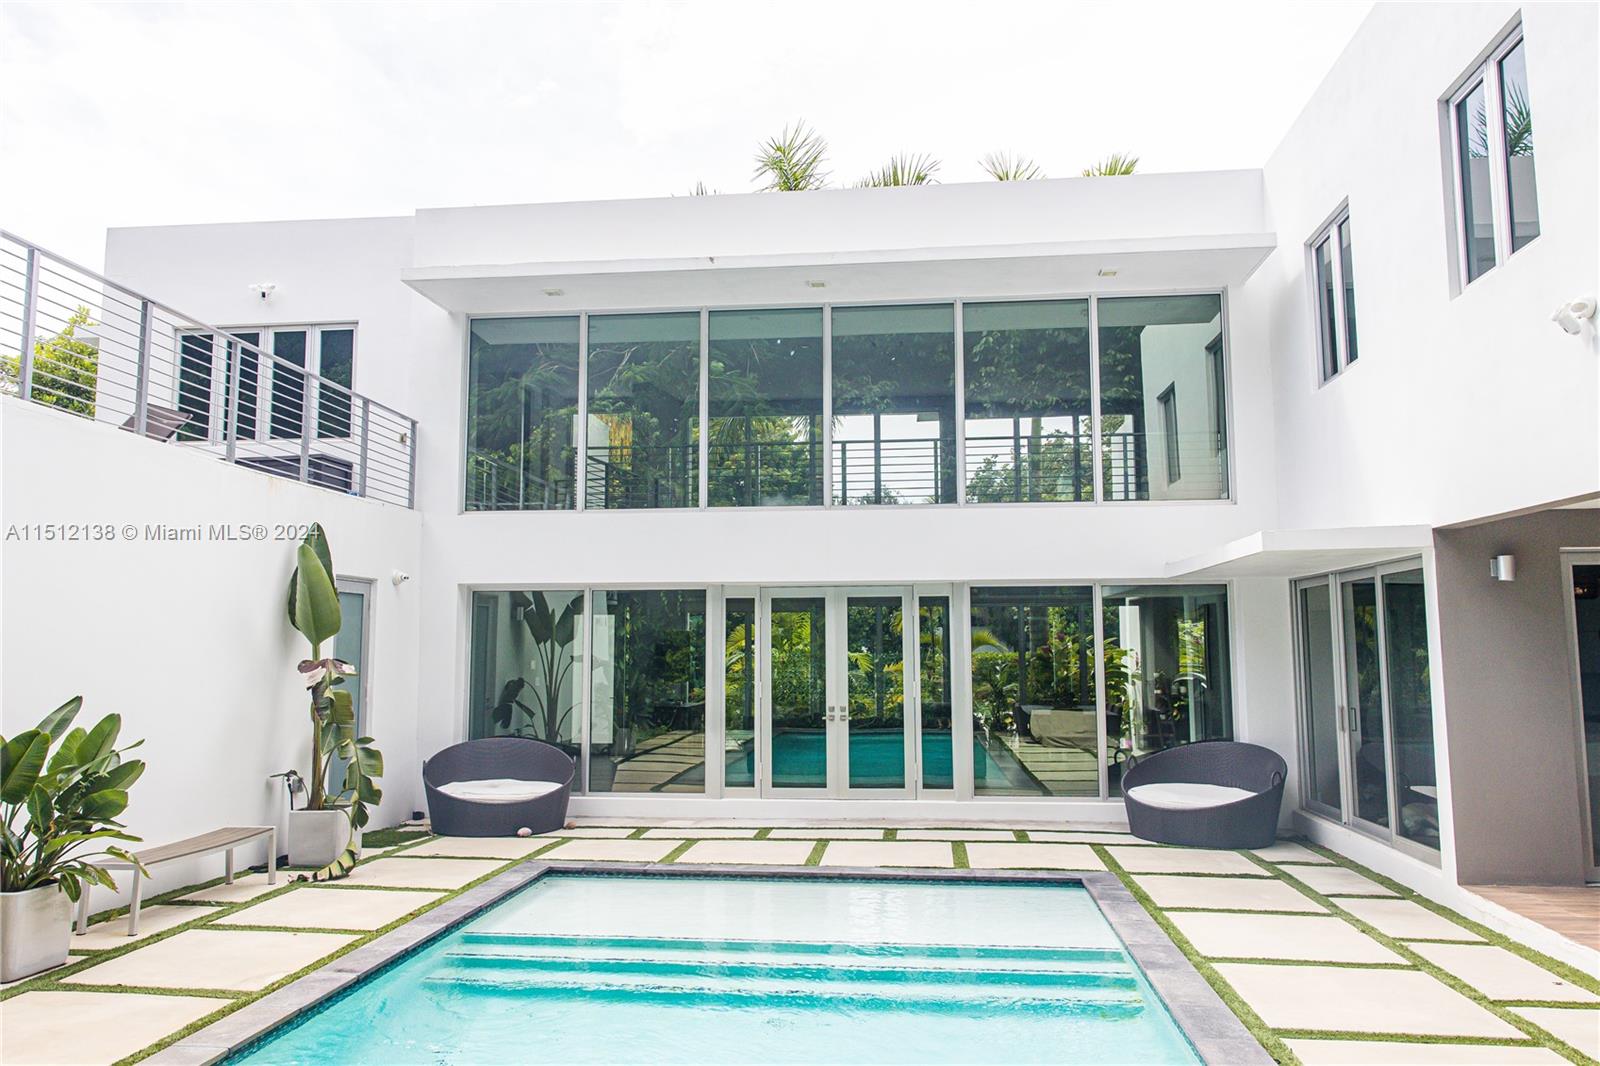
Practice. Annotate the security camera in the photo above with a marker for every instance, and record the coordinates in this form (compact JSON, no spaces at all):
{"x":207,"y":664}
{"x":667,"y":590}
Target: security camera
{"x":1570,"y":315}
{"x":264,"y":289}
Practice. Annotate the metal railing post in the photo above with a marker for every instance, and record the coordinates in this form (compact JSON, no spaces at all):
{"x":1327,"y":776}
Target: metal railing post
{"x":366,"y":423}
{"x":411,"y":466}
{"x":307,"y":424}
{"x":231,"y":427}
{"x":30,"y":304}
{"x":141,"y":383}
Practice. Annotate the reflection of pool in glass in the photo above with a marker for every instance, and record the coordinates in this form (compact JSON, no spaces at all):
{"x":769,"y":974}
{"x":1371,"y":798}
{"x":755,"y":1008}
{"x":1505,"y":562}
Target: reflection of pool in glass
{"x":588,"y":968}
{"x":877,"y":759}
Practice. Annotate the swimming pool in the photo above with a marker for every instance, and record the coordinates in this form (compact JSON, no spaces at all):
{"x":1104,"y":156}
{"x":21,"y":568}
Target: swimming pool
{"x":582,"y":967}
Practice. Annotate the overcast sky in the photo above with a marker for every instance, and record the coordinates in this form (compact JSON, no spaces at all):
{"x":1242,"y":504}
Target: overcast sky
{"x":142,"y":114}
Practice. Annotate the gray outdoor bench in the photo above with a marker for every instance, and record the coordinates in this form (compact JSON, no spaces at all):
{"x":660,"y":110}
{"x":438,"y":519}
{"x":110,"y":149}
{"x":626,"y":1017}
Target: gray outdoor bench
{"x":224,"y":840}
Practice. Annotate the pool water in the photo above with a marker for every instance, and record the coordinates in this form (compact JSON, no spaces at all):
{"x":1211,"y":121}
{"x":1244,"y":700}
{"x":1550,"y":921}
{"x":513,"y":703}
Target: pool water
{"x":583,"y":968}
{"x":877,"y":760}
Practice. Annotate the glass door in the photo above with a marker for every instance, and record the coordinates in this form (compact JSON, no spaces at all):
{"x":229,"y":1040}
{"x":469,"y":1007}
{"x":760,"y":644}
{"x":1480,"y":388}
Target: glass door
{"x":878,"y":675}
{"x":837,"y":707}
{"x":797,"y":707}
{"x":1584,"y":571}
{"x":1363,"y":702}
{"x":1321,"y":714}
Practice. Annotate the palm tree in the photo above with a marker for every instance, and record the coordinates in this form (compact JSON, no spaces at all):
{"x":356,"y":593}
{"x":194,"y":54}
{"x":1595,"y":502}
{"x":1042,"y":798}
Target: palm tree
{"x":793,"y":160}
{"x":1003,"y":166}
{"x":1113,"y":165}
{"x":902,"y":169}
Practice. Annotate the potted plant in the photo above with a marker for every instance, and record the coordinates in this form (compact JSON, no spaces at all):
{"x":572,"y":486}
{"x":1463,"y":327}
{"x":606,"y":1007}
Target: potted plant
{"x":326,"y":832}
{"x":54,"y":806}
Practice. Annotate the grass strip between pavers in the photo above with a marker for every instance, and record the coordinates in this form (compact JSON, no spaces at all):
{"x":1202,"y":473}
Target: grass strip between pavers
{"x":1264,"y":1034}
{"x":1535,"y":1033}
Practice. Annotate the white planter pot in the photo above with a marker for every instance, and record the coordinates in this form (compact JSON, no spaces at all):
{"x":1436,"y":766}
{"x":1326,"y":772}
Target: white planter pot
{"x":35,"y":931}
{"x":317,"y":837}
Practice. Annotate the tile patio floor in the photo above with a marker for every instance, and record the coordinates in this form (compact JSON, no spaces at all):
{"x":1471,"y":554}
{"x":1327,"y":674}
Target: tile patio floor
{"x":1326,"y":963}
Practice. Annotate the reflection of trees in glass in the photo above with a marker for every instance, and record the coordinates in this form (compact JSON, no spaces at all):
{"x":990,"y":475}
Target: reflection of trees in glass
{"x":644,"y":410}
{"x":766,"y":408}
{"x":875,"y":658}
{"x":798,"y":663}
{"x":552,"y":629}
{"x":522,"y":404}
{"x":657,"y":664}
{"x":1030,"y":647}
{"x":893,"y":366}
{"x":1024,"y":372}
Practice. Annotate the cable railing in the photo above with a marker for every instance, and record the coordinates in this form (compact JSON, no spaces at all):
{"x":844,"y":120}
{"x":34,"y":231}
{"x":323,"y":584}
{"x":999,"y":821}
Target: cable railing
{"x":76,"y":341}
{"x":894,"y":471}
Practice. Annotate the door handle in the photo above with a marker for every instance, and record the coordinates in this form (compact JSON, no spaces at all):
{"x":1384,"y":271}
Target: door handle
{"x":1339,"y":718}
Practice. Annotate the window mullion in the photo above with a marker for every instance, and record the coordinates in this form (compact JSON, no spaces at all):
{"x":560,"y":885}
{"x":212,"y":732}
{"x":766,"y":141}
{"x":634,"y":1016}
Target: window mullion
{"x":1094,"y":400}
{"x":1495,"y":139}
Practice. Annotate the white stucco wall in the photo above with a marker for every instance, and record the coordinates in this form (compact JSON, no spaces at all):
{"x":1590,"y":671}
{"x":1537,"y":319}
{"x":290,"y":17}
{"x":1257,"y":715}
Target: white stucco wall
{"x":1460,"y":406}
{"x":187,"y":640}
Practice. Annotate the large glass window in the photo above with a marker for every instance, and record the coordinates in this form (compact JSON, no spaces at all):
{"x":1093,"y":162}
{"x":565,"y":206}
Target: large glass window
{"x":1152,"y":346}
{"x":765,"y":378}
{"x":525,"y":678}
{"x":1033,"y":692}
{"x":194,"y":385}
{"x":1168,"y":680}
{"x":336,"y":364}
{"x":288,"y":385}
{"x":522,"y":411}
{"x":894,"y":404}
{"x":647,"y":701}
{"x":643,"y":445}
{"x":1405,"y":620}
{"x":1028,"y":433}
{"x":1517,"y":117}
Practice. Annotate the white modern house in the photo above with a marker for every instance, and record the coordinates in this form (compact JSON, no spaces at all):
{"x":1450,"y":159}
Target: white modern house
{"x":935,"y":503}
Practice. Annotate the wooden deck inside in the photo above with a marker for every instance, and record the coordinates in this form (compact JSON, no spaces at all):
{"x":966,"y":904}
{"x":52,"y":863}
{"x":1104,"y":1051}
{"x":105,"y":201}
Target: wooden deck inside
{"x":1571,"y":910}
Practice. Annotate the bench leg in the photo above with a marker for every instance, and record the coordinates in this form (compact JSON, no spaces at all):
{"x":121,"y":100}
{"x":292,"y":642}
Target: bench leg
{"x":227,"y":878}
{"x":83,"y":909}
{"x":272,"y":857}
{"x":133,"y":908}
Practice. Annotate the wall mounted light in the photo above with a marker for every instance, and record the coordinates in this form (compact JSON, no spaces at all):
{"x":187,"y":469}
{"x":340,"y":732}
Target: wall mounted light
{"x":816,"y":284}
{"x":1503,"y":568}
{"x":555,"y":292}
{"x":1570,"y":316}
{"x":264,"y":289}
{"x":399,"y":577}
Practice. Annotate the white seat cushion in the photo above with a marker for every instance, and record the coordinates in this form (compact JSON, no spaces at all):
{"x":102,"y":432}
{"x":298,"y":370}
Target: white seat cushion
{"x":498,"y":790}
{"x":1184,"y":796}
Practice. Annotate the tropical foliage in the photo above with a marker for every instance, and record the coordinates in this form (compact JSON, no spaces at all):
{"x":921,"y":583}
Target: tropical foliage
{"x":552,"y":630}
{"x":902,"y":169}
{"x":313,"y":607}
{"x":793,"y":161}
{"x":1006,"y":166}
{"x":66,"y":368}
{"x":1113,"y":165}
{"x":54,"y":808}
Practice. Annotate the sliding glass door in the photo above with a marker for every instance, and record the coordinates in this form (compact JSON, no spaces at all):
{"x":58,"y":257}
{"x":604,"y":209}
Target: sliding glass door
{"x":1366,"y":711}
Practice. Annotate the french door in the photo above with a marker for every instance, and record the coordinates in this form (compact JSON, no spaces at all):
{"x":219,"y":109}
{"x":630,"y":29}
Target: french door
{"x":1365,"y":703}
{"x":1582,"y":570}
{"x":828,"y":689}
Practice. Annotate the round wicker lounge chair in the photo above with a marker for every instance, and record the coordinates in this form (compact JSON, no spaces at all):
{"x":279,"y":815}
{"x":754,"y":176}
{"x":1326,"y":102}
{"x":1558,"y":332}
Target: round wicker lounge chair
{"x":494,"y":787}
{"x":1209,"y":794}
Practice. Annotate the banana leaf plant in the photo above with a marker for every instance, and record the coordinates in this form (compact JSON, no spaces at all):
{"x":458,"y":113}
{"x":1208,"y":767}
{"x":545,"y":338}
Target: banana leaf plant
{"x":313,"y":605}
{"x":553,"y":632}
{"x":54,"y":806}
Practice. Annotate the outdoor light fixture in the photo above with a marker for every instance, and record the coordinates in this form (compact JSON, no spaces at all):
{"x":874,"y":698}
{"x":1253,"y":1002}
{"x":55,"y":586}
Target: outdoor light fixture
{"x":265,"y":289}
{"x":816,"y":284}
{"x":1503,"y":568}
{"x":1570,"y":315}
{"x":1104,"y":273}
{"x":399,"y":577}
{"x":555,"y":292}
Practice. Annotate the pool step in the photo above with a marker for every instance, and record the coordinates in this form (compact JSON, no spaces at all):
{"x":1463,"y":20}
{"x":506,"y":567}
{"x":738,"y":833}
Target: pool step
{"x":841,"y":992}
{"x":831,"y":949}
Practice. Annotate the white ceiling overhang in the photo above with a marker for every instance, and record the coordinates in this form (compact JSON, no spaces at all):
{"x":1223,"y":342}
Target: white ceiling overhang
{"x":1301,"y":552}
{"x":1105,"y":267}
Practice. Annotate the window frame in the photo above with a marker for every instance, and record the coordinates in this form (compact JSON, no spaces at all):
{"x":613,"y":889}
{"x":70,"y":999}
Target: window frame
{"x":1485,"y":72}
{"x":221,"y":355}
{"x":1328,"y":234}
{"x":1221,"y":360}
{"x":1167,"y":401}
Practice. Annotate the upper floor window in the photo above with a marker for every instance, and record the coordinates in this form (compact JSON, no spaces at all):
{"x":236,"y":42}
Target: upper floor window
{"x":306,"y":388}
{"x":1491,"y":123}
{"x":1334,"y":275}
{"x":956,"y":402}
